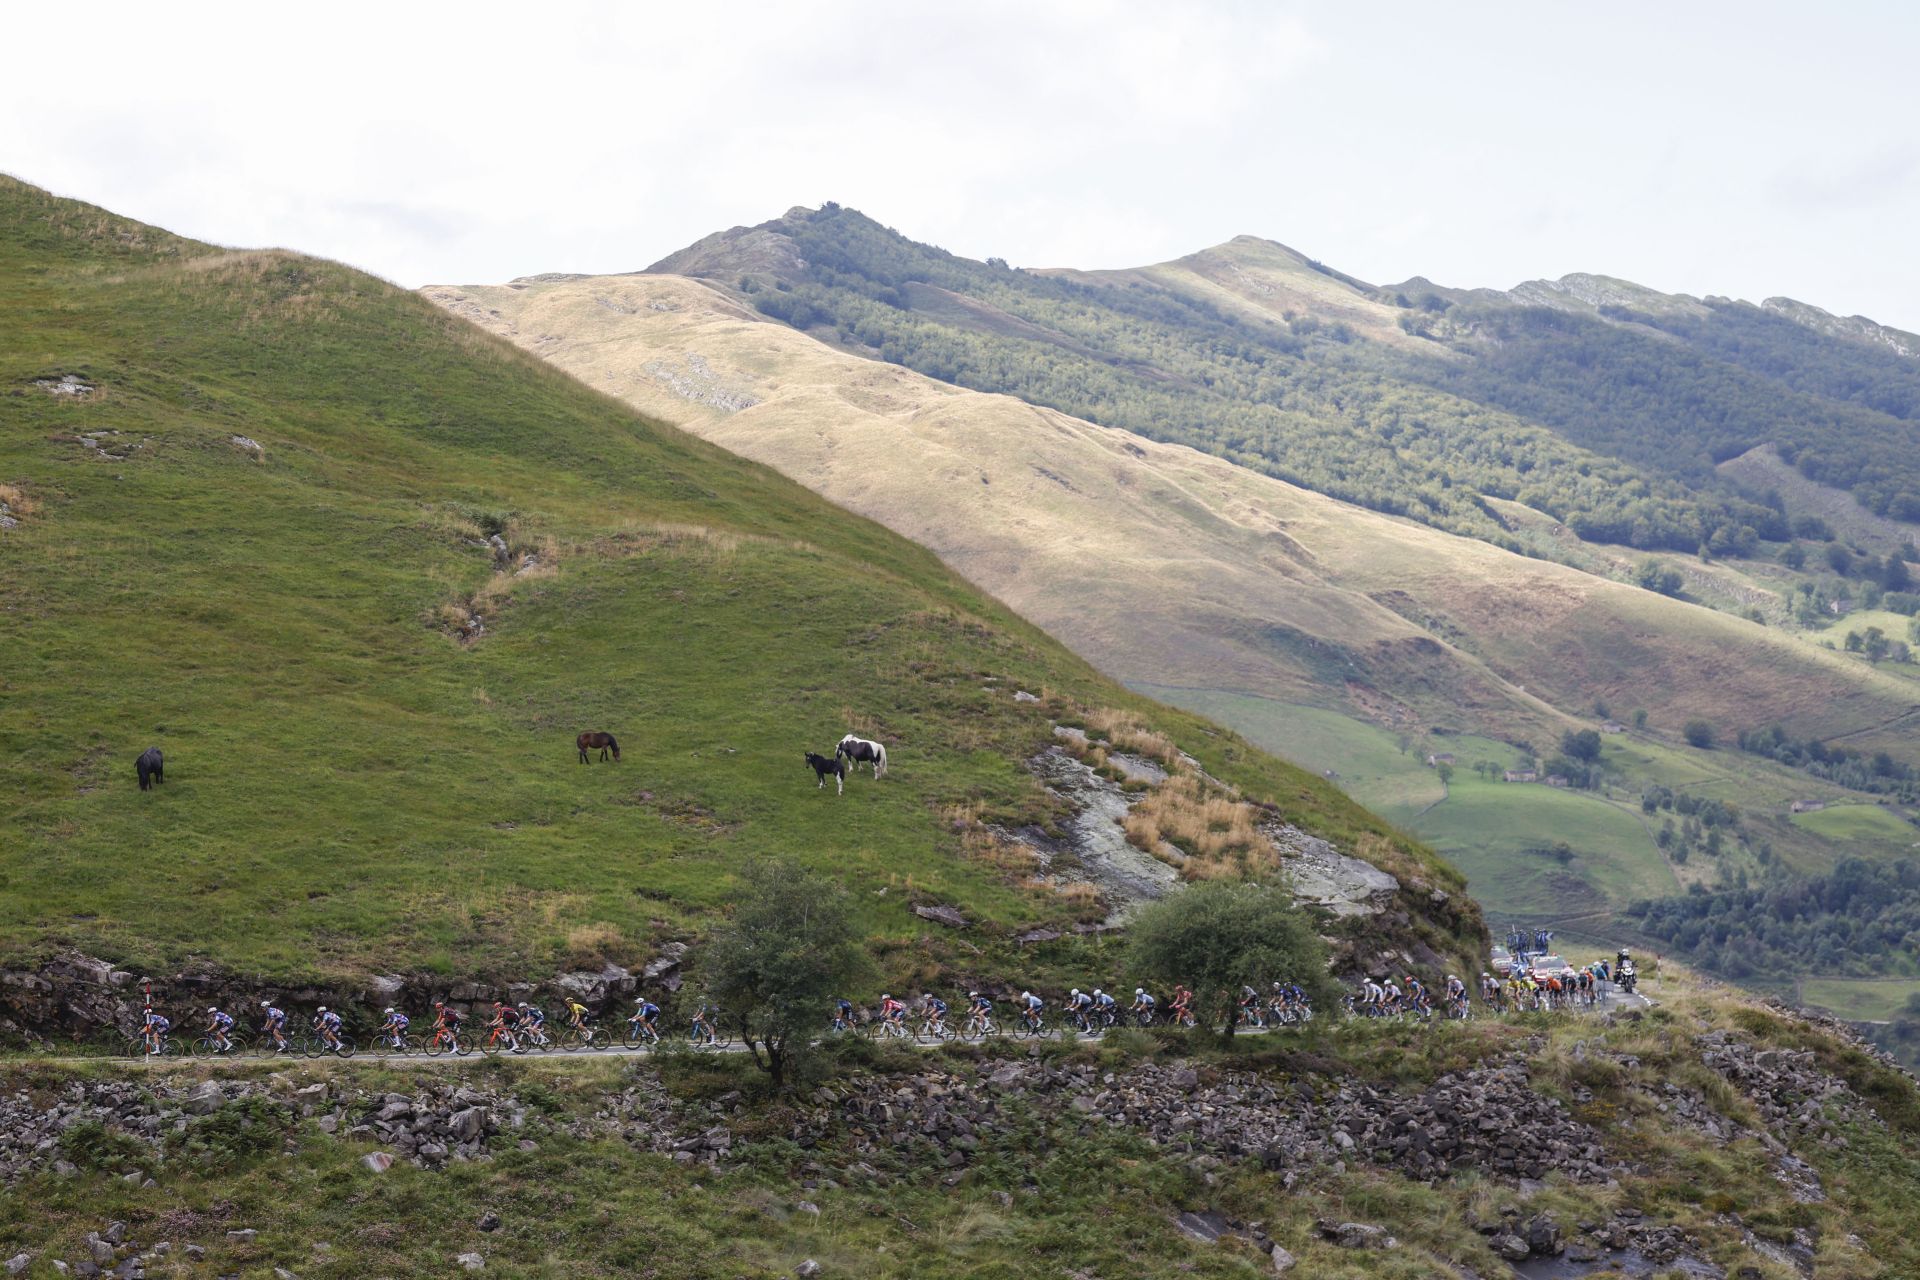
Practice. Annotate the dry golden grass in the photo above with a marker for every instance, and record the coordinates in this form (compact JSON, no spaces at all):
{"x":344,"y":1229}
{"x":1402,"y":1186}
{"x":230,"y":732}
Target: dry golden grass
{"x":1129,"y":735}
{"x":19,"y":505}
{"x":1217,"y":834}
{"x":593,"y":944}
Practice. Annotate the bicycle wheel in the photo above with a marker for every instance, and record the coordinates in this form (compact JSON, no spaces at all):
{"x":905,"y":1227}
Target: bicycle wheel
{"x":438,"y":1044}
{"x":204,"y":1047}
{"x":313,"y":1046}
{"x":346,"y":1048}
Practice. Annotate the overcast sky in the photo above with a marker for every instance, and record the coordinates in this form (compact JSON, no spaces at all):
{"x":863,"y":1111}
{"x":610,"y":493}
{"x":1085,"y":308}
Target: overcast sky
{"x":1749,"y":149}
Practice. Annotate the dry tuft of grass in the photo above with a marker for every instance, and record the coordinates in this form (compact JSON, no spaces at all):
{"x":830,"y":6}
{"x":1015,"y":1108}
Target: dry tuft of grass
{"x":597,"y":943}
{"x":1217,"y":834}
{"x":1129,"y":735}
{"x":14,"y":502}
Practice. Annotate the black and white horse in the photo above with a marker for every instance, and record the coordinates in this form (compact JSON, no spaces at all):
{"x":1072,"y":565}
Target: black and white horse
{"x":860,"y":751}
{"x":822,"y":767}
{"x":151,"y":767}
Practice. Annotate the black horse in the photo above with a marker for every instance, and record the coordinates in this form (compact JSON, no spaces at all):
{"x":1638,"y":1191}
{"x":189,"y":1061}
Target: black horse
{"x":151,"y":767}
{"x":822,"y":767}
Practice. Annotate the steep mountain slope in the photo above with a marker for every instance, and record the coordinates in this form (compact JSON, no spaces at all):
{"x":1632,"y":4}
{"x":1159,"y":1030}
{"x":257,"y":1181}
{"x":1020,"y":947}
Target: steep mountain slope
{"x":1165,"y":565}
{"x":363,"y":572}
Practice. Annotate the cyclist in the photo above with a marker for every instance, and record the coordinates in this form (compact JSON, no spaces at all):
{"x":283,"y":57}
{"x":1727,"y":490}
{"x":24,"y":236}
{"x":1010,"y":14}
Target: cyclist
{"x":1182,"y":1005}
{"x":446,"y":1022}
{"x":327,"y":1023}
{"x":1105,"y":1007}
{"x":534,"y":1019}
{"x":645,"y":1014}
{"x":843,"y":1014}
{"x":893,"y":1011}
{"x":153,"y":1029}
{"x":934,"y":1010}
{"x":1030,"y":1007}
{"x":394,"y":1029}
{"x":1142,"y":1007}
{"x":1456,"y":994}
{"x":1250,"y":1007}
{"x":218,"y":1025}
{"x":276,"y":1026}
{"x":1373,"y":997}
{"x":1078,"y":1002}
{"x":704,"y":1029}
{"x":1489,"y":990}
{"x":504,"y":1023}
{"x":979,"y":1013}
{"x":1391,"y":999}
{"x":1417,"y":996}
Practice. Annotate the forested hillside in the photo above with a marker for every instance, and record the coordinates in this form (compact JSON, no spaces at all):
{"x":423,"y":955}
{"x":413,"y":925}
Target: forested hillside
{"x":1575,"y":415}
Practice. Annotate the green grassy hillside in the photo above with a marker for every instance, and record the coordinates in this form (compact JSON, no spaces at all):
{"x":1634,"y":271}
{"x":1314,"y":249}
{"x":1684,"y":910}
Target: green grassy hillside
{"x":260,"y":543}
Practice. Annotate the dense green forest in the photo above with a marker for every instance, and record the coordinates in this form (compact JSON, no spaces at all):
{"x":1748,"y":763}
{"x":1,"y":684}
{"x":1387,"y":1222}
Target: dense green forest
{"x":1741,"y":379}
{"x":1860,"y":919}
{"x":1303,"y":401}
{"x":1877,"y":774}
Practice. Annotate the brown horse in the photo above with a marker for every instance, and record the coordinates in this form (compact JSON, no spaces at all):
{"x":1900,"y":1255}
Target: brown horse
{"x":602,"y":741}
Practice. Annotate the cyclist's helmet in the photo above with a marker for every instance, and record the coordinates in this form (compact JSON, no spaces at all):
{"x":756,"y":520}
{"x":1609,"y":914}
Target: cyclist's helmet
{"x":389,"y":1009}
{"x":886,"y":998}
{"x":525,"y":1005}
{"x":1075,"y":991}
{"x":973,"y":995}
{"x":926,"y":995}
{"x":1625,"y":952}
{"x":322,"y":1009}
{"x":639,"y":999}
{"x":213,"y":1009}
{"x":1139,"y":991}
{"x":266,"y":1004}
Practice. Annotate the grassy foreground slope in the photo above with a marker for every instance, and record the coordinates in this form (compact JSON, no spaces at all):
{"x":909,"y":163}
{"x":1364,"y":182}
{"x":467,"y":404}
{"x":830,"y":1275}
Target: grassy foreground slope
{"x":261,"y":542}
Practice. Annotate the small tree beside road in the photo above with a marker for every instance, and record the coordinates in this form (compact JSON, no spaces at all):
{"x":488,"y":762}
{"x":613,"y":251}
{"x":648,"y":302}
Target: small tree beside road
{"x":1220,"y":935}
{"x":775,"y":967}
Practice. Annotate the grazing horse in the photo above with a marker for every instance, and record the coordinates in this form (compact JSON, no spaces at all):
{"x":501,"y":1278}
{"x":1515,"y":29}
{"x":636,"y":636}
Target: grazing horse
{"x":602,"y":741}
{"x":822,"y":767}
{"x":860,"y":751}
{"x":151,"y":767}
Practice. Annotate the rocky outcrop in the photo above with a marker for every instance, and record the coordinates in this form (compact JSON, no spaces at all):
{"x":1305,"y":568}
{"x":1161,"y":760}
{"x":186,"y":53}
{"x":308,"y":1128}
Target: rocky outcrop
{"x":1795,"y":1098}
{"x":1321,"y":875}
{"x":1488,"y":1119}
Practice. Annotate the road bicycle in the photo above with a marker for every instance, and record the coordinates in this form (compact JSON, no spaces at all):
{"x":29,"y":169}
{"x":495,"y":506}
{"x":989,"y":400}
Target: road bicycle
{"x":710,"y":1035}
{"x":500,"y":1038}
{"x":446,"y":1040}
{"x":395,"y":1044}
{"x":339,"y":1045}
{"x":888,"y":1029}
{"x":980,"y":1026}
{"x":640,"y":1034}
{"x":209,"y":1045}
{"x":586,"y":1036}
{"x":933,"y":1030}
{"x":1030,"y":1025}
